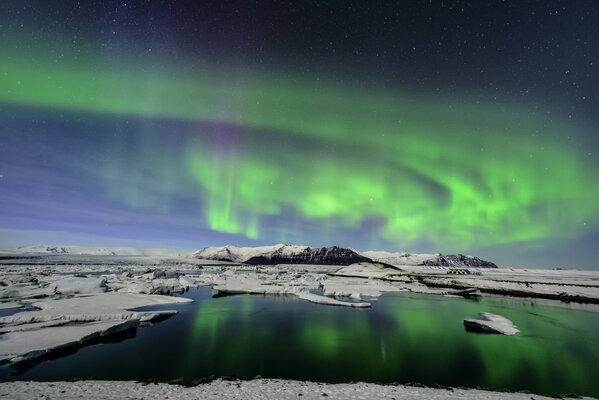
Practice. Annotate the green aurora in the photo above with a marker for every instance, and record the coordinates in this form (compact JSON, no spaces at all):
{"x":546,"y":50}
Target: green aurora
{"x":449,"y":173}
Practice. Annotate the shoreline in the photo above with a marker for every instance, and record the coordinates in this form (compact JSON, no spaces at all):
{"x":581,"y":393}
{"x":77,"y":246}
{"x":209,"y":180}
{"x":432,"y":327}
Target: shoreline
{"x":252,"y":389}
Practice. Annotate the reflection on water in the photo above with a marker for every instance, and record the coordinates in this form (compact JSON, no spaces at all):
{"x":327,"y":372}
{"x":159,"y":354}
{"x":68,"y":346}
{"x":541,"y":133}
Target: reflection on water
{"x":402,"y":338}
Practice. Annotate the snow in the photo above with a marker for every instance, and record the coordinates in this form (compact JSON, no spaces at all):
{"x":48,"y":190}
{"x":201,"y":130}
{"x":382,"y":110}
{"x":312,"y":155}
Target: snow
{"x":88,"y":250}
{"x":63,"y":322}
{"x":241,"y":254}
{"x":358,"y":289}
{"x":78,"y":297}
{"x":8,"y":305}
{"x":402,"y":258}
{"x":105,"y":303}
{"x":318,"y":299}
{"x":35,"y":278}
{"x":88,"y":295}
{"x":278,"y":251}
{"x":491,"y":323}
{"x":241,"y":390}
{"x":370,"y":270}
{"x":22,"y":345}
{"x":74,"y":284}
{"x":567,"y":285}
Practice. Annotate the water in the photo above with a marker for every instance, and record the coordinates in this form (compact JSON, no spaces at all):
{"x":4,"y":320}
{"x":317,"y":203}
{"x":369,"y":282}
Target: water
{"x":6,"y":312}
{"x":403,"y":338}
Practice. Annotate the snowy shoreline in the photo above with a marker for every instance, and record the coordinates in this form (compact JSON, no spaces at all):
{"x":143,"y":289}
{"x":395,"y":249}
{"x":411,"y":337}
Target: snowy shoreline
{"x":251,"y":389}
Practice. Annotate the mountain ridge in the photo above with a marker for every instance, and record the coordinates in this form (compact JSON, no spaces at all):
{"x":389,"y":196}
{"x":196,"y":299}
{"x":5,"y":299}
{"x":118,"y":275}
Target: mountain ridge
{"x":333,"y":255}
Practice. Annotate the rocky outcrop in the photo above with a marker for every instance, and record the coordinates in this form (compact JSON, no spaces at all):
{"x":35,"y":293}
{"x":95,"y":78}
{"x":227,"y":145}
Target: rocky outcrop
{"x":322,"y":256}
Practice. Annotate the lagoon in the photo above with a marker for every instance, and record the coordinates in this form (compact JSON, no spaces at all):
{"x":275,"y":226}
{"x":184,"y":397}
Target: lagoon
{"x":403,"y":338}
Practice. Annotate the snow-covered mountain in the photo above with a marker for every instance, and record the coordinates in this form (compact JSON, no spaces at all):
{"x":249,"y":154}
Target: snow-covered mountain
{"x":87,"y":250}
{"x":282,"y":254}
{"x":459,"y":260}
{"x":428,"y":259}
{"x":292,"y":254}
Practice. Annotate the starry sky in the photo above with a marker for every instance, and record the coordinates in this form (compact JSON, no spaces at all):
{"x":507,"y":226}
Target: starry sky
{"x":450,"y":126}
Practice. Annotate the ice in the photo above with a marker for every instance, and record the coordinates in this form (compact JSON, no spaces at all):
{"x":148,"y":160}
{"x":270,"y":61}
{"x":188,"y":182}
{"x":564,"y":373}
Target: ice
{"x":358,"y":289}
{"x":70,"y":306}
{"x":57,"y":323}
{"x":81,"y":285}
{"x":402,"y":258}
{"x":8,"y":305}
{"x":318,"y":299}
{"x":491,"y":323}
{"x":80,"y":293}
{"x":22,"y":345}
{"x":563,"y":285}
{"x":370,"y":270}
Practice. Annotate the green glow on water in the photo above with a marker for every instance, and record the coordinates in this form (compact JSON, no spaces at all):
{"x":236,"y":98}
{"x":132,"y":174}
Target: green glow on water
{"x":404,"y":337}
{"x":409,"y":338}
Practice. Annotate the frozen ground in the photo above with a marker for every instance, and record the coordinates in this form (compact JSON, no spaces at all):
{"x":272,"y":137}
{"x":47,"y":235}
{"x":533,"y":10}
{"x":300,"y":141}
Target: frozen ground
{"x":254,"y":389}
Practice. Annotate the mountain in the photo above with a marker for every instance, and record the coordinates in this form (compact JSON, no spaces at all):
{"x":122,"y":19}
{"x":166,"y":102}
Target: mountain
{"x":87,"y":250}
{"x":459,"y":260}
{"x":290,"y":254}
{"x":428,"y":259}
{"x":276,"y":254}
{"x":282,"y":254}
{"x":236,"y":254}
{"x":78,"y":250}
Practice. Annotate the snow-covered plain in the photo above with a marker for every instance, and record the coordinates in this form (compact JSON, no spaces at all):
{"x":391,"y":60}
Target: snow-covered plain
{"x":74,"y":297}
{"x":242,"y":390}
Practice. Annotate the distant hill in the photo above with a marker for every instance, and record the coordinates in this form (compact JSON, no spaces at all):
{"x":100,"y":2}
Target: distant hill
{"x":428,"y":259}
{"x":88,"y":250}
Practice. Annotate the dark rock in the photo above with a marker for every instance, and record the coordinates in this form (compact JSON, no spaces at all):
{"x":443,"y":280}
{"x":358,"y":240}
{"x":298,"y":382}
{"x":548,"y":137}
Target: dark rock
{"x":319,"y":255}
{"x":56,"y":250}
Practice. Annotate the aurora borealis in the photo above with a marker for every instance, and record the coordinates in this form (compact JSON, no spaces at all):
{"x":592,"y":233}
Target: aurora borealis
{"x":119,"y":136}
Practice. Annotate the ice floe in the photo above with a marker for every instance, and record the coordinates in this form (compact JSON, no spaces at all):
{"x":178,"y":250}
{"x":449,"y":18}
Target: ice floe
{"x":490,"y":323}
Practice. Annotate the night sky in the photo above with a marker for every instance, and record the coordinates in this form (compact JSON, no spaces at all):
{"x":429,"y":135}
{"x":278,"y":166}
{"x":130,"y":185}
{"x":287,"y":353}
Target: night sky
{"x":449,"y":126}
